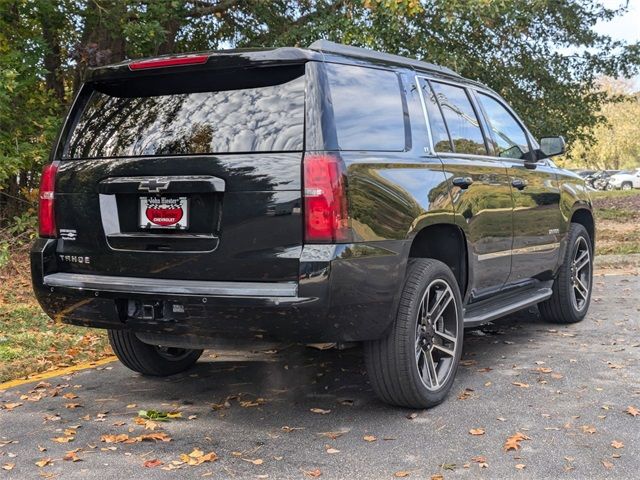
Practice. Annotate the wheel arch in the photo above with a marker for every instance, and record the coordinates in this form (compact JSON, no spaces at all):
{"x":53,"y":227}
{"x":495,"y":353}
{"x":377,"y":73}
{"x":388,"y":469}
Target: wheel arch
{"x":584,"y":217}
{"x":447,"y":243}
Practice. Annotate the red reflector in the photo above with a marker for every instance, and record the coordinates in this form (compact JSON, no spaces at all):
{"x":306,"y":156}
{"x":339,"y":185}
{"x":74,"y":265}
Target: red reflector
{"x":325,"y":200}
{"x":46,"y":210}
{"x":169,"y":62}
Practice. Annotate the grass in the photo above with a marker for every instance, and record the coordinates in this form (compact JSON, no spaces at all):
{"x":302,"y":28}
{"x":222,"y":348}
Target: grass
{"x":617,"y":222}
{"x":30,"y":342}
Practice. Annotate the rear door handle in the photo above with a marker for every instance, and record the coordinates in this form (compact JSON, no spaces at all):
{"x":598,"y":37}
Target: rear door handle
{"x":518,"y":183}
{"x":462,"y":182}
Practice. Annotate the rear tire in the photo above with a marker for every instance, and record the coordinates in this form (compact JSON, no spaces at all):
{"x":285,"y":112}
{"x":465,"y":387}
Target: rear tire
{"x":150,"y":359}
{"x":572,"y":287}
{"x":415,"y":364}
{"x":627,"y":186}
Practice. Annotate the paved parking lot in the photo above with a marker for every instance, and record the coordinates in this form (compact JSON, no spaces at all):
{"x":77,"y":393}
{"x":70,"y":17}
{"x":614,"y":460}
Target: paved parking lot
{"x":304,"y":413}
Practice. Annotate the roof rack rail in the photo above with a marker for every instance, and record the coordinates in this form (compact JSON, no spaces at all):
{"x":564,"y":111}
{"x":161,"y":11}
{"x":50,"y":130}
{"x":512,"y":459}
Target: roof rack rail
{"x":340,"y":49}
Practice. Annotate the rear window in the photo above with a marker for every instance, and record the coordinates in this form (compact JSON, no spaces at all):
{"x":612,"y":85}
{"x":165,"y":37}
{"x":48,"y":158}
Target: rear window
{"x":115,"y":123}
{"x":367,"y":108}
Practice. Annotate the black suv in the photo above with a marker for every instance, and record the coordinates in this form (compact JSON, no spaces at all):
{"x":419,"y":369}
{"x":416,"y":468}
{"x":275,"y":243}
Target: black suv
{"x":328,"y":194}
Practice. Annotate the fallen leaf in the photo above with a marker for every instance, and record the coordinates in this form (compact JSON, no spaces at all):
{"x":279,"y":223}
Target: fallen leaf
{"x":312,"y":473}
{"x":513,"y":442}
{"x":465,"y":394}
{"x":411,"y":416}
{"x":402,"y":474}
{"x":8,"y":466}
{"x":63,"y":439}
{"x":148,"y":437}
{"x":152,"y":463}
{"x":154,"y":415}
{"x":588,"y":429}
{"x":123,"y":437}
{"x":44,"y":462}
{"x":319,"y":411}
{"x":333,"y":435}
{"x":476,"y":431}
{"x":72,"y":406}
{"x":332,"y":450}
{"x":607,"y":464}
{"x":10,"y":406}
{"x":520,"y":384}
{"x":520,"y":466}
{"x":544,"y":370}
{"x":72,"y":456}
{"x":288,"y":429}
{"x":437,"y":476}
{"x":369,"y":438}
{"x":617,"y":444}
{"x":70,"y":396}
{"x":257,"y":461}
{"x":633,"y":411}
{"x":198,"y":457}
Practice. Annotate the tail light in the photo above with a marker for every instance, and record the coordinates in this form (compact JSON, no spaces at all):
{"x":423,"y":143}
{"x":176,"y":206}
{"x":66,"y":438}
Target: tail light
{"x":46,"y":210}
{"x":325,"y":200}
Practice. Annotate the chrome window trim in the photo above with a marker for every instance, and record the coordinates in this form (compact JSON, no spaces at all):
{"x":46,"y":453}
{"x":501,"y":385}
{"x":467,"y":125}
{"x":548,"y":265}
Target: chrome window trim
{"x":424,"y":111}
{"x":476,"y":89}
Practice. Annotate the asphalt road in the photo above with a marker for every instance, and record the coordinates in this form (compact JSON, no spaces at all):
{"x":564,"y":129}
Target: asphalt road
{"x":575,"y":385}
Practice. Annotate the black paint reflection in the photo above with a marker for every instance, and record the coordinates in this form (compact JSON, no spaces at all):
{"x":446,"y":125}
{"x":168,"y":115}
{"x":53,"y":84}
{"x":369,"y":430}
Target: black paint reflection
{"x":268,"y":118}
{"x":359,"y":93}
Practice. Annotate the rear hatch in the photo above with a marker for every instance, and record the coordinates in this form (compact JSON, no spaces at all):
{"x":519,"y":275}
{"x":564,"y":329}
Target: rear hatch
{"x":185,"y":176}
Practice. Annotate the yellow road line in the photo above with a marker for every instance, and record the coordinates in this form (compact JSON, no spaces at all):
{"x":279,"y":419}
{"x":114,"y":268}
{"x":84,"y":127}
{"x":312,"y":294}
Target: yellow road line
{"x":56,"y":373}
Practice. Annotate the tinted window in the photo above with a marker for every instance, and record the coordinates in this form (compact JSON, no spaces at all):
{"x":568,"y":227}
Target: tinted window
{"x":261,"y":119}
{"x":441,"y":141}
{"x":461,"y":119}
{"x":367,"y":107}
{"x":509,"y":139}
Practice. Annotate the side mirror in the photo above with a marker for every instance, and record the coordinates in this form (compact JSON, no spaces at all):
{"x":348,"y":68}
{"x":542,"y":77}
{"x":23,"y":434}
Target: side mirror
{"x":552,"y":146}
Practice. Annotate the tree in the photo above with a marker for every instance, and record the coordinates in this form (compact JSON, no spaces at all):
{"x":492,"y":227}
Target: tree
{"x":543,"y":56}
{"x":616,"y":142}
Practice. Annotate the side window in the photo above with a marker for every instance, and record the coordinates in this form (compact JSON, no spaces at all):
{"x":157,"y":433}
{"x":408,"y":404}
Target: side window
{"x":439,"y":134}
{"x":509,"y":139}
{"x":367,"y":108}
{"x":460,"y":118}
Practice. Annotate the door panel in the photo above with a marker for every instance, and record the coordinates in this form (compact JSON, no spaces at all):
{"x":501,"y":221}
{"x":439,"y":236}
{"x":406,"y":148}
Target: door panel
{"x":484,"y":211}
{"x":536,"y":221}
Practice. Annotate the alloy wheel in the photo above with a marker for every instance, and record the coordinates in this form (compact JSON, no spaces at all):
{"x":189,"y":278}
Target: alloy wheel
{"x":436,"y":335}
{"x":581,"y":274}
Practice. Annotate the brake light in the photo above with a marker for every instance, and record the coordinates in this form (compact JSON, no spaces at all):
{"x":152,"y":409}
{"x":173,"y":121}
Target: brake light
{"x":169,"y":62}
{"x":46,"y":210}
{"x":325,"y":200}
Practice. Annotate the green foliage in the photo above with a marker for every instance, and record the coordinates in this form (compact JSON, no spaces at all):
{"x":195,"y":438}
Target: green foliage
{"x":542,"y":55}
{"x":616,"y":143}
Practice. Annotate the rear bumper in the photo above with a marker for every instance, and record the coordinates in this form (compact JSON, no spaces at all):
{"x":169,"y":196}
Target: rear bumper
{"x":344,"y":293}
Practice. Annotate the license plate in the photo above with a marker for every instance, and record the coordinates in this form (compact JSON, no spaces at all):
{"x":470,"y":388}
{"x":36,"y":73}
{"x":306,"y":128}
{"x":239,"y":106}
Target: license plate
{"x":164,"y":212}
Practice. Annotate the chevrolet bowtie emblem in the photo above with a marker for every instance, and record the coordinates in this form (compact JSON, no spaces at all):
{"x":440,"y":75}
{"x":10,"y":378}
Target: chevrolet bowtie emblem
{"x":153,"y":185}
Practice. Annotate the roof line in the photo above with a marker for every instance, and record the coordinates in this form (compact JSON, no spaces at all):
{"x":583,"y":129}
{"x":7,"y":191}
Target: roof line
{"x":326,"y":46}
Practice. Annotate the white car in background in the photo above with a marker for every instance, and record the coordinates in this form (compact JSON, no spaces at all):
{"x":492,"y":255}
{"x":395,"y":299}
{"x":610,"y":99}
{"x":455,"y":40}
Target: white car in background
{"x":625,"y":180}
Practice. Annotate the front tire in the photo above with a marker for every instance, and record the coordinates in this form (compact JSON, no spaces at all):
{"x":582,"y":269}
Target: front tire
{"x":572,"y":287}
{"x":148,"y":359}
{"x":415,"y":364}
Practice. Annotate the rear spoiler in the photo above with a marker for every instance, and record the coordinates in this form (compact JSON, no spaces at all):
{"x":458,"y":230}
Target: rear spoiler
{"x":202,"y":61}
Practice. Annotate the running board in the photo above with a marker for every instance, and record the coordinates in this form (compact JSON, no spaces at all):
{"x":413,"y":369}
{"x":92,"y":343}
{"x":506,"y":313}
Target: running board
{"x":500,"y":306}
